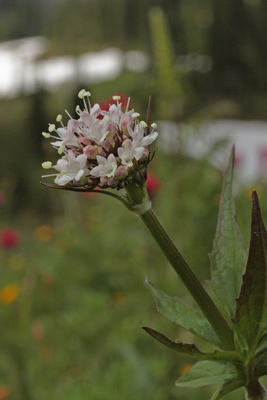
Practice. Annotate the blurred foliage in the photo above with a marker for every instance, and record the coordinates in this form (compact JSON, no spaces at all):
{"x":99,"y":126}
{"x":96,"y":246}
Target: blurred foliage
{"x":74,"y":329}
{"x":168,"y":85}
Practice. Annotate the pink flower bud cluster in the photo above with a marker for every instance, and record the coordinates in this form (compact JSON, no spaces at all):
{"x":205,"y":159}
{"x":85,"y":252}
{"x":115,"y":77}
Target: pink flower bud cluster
{"x":101,"y":148}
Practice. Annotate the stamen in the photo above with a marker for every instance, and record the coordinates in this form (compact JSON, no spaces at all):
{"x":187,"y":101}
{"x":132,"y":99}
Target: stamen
{"x":47,"y":164}
{"x":81,"y":93}
{"x":144,"y":124}
{"x":135,"y":115}
{"x":68,"y":114}
{"x":59,"y":118}
{"x":128,"y":103}
{"x":85,"y":105}
{"x":154,"y":125}
{"x":116,"y":98}
{"x":47,"y":176}
{"x":61,"y":150}
{"x":106,"y":118}
{"x":46,"y":135}
{"x":51,"y":127}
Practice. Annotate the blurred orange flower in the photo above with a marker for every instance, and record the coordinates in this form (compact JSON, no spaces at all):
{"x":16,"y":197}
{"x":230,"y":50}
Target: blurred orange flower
{"x":186,"y":368}
{"x":44,"y":233}
{"x":9,"y":294}
{"x":4,"y":392}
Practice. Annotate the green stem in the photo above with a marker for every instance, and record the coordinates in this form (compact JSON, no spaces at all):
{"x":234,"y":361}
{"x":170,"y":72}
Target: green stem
{"x":255,"y":391}
{"x":183,"y":270}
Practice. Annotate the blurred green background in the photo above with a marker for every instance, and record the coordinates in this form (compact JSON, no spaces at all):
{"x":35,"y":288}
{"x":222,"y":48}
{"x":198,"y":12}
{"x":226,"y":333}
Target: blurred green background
{"x":72,"y":299}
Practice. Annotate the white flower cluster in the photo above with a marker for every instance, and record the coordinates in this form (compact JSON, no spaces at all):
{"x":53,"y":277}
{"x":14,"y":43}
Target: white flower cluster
{"x":100,"y":148}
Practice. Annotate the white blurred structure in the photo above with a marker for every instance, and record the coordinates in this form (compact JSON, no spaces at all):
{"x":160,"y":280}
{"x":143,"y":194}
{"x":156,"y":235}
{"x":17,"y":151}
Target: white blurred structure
{"x":249,"y":138}
{"x":22,"y":72}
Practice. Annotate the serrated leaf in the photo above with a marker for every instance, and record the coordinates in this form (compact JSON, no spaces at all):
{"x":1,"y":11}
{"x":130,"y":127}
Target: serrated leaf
{"x":192,"y":350}
{"x":226,"y":388}
{"x":183,"y":315}
{"x":229,"y":254}
{"x":205,"y":373}
{"x":250,"y":304}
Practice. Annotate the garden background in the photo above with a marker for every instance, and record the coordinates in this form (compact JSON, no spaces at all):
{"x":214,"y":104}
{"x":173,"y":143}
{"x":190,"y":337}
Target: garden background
{"x":72,"y":299}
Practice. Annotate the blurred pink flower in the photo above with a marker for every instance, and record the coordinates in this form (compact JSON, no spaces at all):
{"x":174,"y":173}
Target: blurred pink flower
{"x":9,"y":238}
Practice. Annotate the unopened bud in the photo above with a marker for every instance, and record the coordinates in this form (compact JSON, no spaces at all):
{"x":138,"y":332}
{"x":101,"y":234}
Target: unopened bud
{"x":90,"y":151}
{"x":121,"y":172}
{"x":112,"y":182}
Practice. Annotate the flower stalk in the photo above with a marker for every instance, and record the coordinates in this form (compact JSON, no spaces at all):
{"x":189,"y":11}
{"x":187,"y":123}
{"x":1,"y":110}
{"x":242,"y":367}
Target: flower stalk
{"x":219,"y":324}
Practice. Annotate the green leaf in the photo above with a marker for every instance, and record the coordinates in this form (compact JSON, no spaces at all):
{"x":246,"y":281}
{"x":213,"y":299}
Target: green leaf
{"x":250,"y":304}
{"x":226,"y":388}
{"x":183,"y":315}
{"x":192,"y":350}
{"x":208,"y":373}
{"x":229,"y":254}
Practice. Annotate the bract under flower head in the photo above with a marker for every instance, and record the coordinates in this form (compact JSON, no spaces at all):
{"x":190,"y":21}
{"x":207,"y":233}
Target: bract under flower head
{"x":101,"y":148}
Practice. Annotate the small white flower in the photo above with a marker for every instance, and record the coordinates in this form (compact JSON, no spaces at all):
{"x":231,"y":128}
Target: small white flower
{"x":106,"y":166}
{"x":97,"y":132}
{"x":70,"y":168}
{"x":139,"y":138}
{"x":66,"y":135}
{"x":129,"y":152}
{"x":89,"y":117}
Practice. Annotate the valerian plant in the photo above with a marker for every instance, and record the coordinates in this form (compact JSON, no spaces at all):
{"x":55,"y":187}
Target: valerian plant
{"x":106,"y":150}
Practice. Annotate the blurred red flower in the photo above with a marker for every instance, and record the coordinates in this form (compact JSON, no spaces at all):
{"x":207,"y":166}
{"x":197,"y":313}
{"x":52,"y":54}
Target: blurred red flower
{"x":9,"y":237}
{"x":152,"y":184}
{"x":104,"y":104}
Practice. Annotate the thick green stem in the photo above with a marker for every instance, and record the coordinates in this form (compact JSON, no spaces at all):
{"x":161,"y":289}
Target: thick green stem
{"x":183,"y":270}
{"x":255,"y":391}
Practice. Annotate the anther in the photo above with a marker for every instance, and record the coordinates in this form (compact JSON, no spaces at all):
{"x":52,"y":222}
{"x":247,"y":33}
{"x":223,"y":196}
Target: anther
{"x":81,"y":93}
{"x":47,"y":164}
{"x":144,"y":124}
{"x":61,"y":149}
{"x":51,"y":127}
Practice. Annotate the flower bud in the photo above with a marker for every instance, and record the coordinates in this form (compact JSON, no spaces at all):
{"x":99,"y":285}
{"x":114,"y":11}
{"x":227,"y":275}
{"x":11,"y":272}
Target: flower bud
{"x":109,"y":143}
{"x":113,"y":182}
{"x":125,"y":121}
{"x":102,"y":151}
{"x":121,"y":172}
{"x":83,"y":141}
{"x":90,"y":151}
